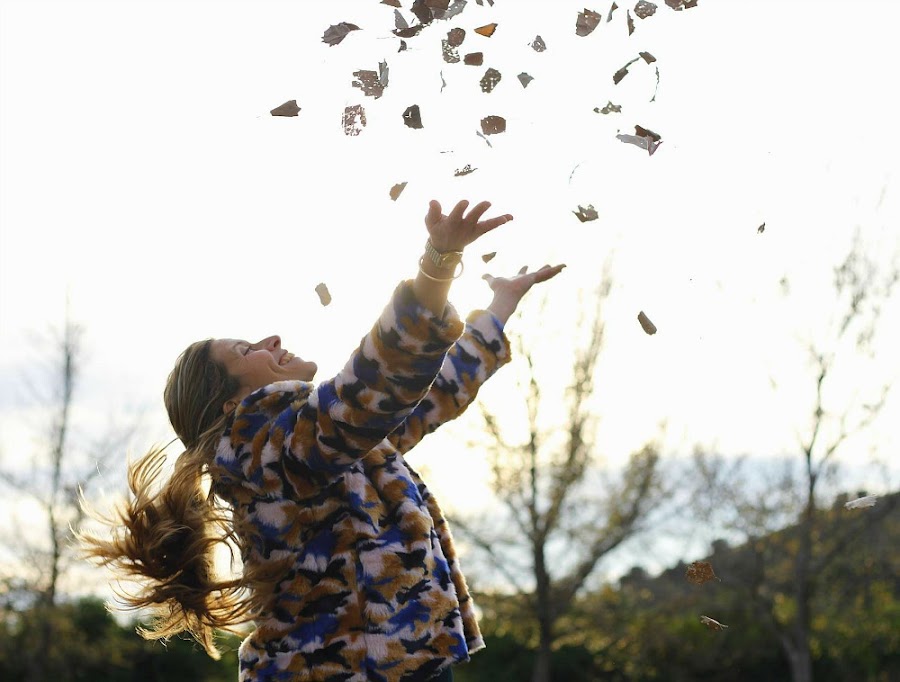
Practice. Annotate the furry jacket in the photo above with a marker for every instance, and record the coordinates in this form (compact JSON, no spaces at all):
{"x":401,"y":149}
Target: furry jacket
{"x":368,"y":584}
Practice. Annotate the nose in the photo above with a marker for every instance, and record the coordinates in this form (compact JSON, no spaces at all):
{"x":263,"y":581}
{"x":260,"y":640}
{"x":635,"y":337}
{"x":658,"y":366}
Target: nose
{"x":270,"y":343}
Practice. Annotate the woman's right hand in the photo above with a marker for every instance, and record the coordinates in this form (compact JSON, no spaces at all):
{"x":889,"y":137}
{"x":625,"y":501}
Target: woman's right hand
{"x":458,"y":229}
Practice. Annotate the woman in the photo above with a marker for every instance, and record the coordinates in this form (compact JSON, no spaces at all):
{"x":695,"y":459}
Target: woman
{"x":349,"y":570}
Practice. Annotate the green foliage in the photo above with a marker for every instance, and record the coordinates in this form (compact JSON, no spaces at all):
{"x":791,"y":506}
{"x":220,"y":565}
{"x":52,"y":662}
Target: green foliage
{"x":88,"y":645}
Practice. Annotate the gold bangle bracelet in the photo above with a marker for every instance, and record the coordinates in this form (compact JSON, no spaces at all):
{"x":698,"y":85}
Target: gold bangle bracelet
{"x":441,"y":279}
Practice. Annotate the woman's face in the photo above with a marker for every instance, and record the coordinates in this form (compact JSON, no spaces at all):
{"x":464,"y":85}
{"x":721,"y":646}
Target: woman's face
{"x":259,"y":364}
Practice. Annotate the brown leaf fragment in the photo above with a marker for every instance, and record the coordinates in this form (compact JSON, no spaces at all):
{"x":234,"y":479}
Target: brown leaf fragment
{"x":621,"y":73}
{"x":493,"y":125}
{"x":324,"y":295}
{"x":410,"y":32}
{"x":479,"y":133}
{"x":455,"y":36}
{"x":487,"y":30}
{"x":700,"y":572}
{"x":454,"y":9}
{"x":488,"y":257}
{"x":644,"y":9}
{"x":289,"y":108}
{"x":538,"y":44}
{"x":465,"y":170}
{"x":586,"y":213}
{"x":399,"y":21}
{"x":451,"y":56}
{"x":437,"y":4}
{"x":643,"y":138}
{"x":525,"y":79}
{"x":474,"y":59}
{"x":335,"y":33}
{"x":647,"y":57}
{"x":397,"y":190}
{"x":481,"y":3}
{"x":372,"y":83}
{"x":761,"y":229}
{"x":630,"y":22}
{"x":354,"y":119}
{"x":611,"y":10}
{"x":392,"y":3}
{"x":712,"y":624}
{"x":412,"y":117}
{"x":679,"y":5}
{"x":423,"y":12}
{"x":402,"y":46}
{"x":609,"y":108}
{"x":586,"y":22}
{"x":490,"y":79}
{"x":646,"y":324}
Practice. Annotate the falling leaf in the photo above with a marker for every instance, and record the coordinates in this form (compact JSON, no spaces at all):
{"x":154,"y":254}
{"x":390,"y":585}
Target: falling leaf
{"x":465,"y":170}
{"x":609,"y":108}
{"x":679,"y":5}
{"x":399,"y":21}
{"x":621,"y":73}
{"x":481,"y":3}
{"x":478,"y":132}
{"x":761,"y":229}
{"x":586,"y":22}
{"x":487,"y":30}
{"x":397,"y":190}
{"x":437,"y":4}
{"x":586,"y":213}
{"x":474,"y":58}
{"x":712,"y":624}
{"x":630,"y":22}
{"x":525,"y":79}
{"x":490,"y":79}
{"x":457,"y":7}
{"x":867,"y":501}
{"x":656,"y":89}
{"x":392,"y":3}
{"x":646,"y":324}
{"x":289,"y":108}
{"x":423,"y":12}
{"x":443,"y":82}
{"x":699,"y":572}
{"x":649,"y":58}
{"x":402,"y":46}
{"x":538,"y":44}
{"x":644,"y":9}
{"x":492,"y":125}
{"x":611,"y":10}
{"x":412,"y":117}
{"x":322,"y":291}
{"x":354,"y":119}
{"x":337,"y":32}
{"x":488,"y":256}
{"x":371,"y":83}
{"x":410,"y":32}
{"x":643,"y":138}
{"x":455,"y":37}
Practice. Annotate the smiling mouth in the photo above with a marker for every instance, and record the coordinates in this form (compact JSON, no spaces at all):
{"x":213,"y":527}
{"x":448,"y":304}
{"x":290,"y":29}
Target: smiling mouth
{"x":286,"y":358}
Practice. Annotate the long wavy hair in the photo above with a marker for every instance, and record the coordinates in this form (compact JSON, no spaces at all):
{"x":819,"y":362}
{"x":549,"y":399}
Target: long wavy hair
{"x":164,"y":537}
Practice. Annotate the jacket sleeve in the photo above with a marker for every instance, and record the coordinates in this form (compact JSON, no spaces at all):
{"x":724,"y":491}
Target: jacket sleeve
{"x":473,"y":359}
{"x":292,"y":430}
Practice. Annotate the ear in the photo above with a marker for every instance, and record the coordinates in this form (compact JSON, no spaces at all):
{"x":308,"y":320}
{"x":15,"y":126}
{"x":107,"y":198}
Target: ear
{"x":229,"y":406}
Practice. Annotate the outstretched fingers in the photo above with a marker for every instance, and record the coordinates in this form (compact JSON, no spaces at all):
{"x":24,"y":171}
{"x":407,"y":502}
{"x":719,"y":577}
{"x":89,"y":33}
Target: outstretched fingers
{"x":547,"y":272}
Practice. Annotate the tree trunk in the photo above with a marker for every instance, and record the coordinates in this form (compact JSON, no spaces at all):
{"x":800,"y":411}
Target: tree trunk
{"x":541,"y":672}
{"x":545,"y":617}
{"x":801,"y":662}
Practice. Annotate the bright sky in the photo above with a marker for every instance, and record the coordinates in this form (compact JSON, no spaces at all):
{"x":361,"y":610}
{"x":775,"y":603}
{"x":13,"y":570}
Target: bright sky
{"x":142,"y":174}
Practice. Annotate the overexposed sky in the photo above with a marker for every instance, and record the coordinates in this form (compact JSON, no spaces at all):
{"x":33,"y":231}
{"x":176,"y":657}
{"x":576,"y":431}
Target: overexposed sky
{"x":142,"y":175}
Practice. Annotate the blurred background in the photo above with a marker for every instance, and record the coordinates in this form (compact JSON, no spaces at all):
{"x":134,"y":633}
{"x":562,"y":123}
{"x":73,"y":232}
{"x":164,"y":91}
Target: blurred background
{"x":149,"y":198}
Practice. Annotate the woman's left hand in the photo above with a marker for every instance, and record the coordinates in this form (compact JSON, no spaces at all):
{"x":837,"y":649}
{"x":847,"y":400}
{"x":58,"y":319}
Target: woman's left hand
{"x":508,"y":291}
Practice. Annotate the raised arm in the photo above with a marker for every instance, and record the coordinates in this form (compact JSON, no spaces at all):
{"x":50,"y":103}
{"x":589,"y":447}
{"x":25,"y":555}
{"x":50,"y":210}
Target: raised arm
{"x":473,"y":359}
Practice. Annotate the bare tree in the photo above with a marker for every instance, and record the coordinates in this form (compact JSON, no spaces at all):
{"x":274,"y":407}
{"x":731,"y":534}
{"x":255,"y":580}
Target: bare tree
{"x":783,"y":522}
{"x":564,"y":518}
{"x":53,"y":478}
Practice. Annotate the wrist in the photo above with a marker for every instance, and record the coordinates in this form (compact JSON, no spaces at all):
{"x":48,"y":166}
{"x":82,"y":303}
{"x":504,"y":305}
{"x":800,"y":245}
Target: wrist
{"x":445,"y":259}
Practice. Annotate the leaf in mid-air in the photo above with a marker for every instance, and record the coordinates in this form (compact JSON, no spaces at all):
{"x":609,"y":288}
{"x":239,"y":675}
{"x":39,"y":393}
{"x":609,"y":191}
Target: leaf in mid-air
{"x":337,"y":32}
{"x":289,"y":108}
{"x":646,"y":324}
